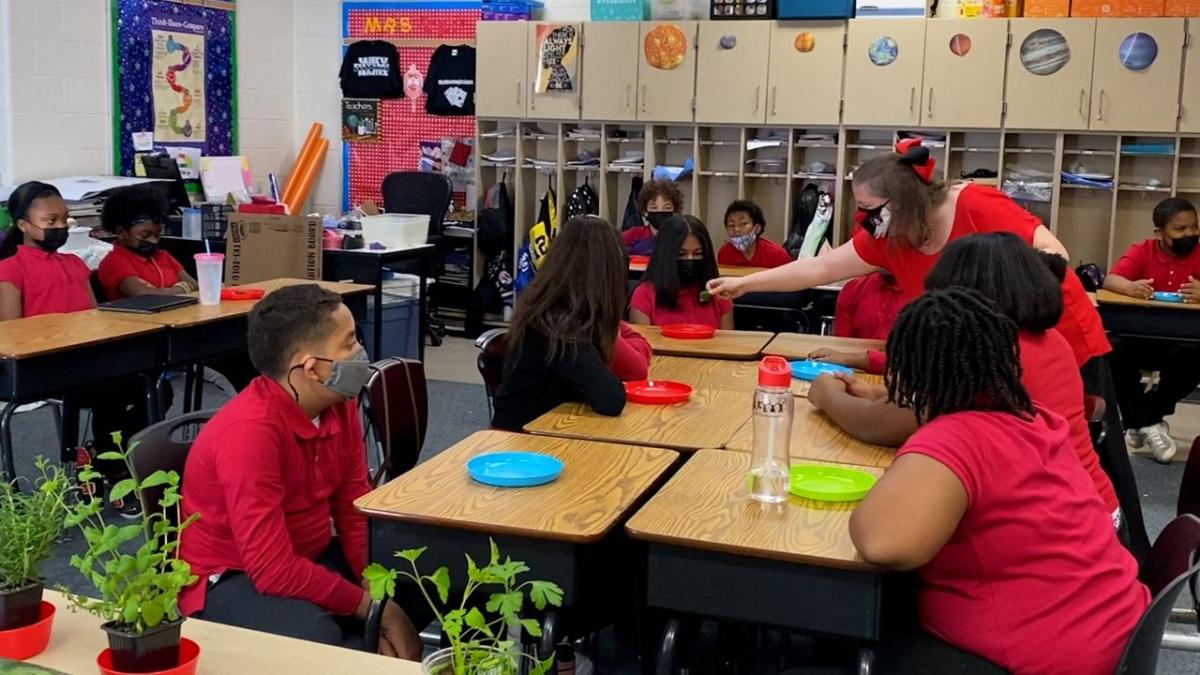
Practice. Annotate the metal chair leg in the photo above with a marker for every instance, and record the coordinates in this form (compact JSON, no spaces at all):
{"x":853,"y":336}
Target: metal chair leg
{"x":667,"y":651}
{"x":9,"y":464}
{"x":866,"y":661}
{"x":551,"y":636}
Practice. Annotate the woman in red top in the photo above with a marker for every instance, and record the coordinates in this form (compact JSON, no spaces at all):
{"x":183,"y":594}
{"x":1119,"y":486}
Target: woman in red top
{"x":34,"y":277}
{"x":746,"y":246}
{"x":1016,"y":556}
{"x":672,"y":291}
{"x":137,"y":266}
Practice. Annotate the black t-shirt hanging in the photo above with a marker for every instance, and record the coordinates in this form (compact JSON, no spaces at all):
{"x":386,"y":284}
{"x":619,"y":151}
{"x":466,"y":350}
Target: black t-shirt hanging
{"x":450,"y":81}
{"x":371,"y":69}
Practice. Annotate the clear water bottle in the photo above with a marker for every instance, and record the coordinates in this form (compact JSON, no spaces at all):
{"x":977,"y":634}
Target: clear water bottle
{"x":773,"y":412}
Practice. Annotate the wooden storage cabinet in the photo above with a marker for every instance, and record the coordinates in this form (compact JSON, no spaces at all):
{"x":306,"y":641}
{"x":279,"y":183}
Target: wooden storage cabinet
{"x":1189,"y":118}
{"x":500,"y":71}
{"x":610,"y":59}
{"x":805,"y":87}
{"x":1131,"y":89}
{"x":964,"y":73}
{"x":1050,"y":88}
{"x":731,"y":82}
{"x":884,"y":67}
{"x":558,"y":105}
{"x":666,"y":94}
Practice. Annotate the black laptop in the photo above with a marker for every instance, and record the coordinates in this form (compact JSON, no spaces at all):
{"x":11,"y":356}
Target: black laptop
{"x":148,"y":304}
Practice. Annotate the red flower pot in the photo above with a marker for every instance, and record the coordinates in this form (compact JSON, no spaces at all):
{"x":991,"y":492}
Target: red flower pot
{"x":28,"y":641}
{"x":189,"y":655}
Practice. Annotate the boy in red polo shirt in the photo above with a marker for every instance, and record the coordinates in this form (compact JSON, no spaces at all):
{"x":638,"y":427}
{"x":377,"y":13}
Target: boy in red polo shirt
{"x":137,"y":266}
{"x":745,"y":245}
{"x":273,"y":470}
{"x":1168,"y":261}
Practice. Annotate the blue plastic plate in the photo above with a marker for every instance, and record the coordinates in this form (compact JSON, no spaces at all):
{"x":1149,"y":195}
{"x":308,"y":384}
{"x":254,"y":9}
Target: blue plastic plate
{"x":1164,"y":296}
{"x":514,"y":469}
{"x":811,"y":370}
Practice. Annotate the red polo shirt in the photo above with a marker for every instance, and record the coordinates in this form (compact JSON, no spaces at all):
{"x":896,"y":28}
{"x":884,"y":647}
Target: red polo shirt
{"x":50,"y":283}
{"x":688,"y":309}
{"x":160,"y":270}
{"x":766,"y":254}
{"x":867,"y":307}
{"x":631,"y":355}
{"x":639,"y":240}
{"x":267,"y":483}
{"x":985,"y":209}
{"x":1148,"y":260}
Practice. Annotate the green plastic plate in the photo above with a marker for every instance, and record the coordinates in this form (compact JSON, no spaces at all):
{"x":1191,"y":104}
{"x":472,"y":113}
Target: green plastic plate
{"x":825,"y":483}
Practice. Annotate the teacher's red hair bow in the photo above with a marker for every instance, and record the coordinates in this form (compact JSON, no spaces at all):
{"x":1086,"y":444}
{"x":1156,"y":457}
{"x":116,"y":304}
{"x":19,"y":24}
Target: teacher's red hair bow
{"x":916,"y":155}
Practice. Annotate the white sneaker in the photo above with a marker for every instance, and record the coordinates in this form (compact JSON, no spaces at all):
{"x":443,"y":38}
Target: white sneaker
{"x":1158,"y":437}
{"x":1135,"y":439}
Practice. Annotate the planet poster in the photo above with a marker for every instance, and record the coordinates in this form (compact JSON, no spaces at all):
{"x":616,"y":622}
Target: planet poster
{"x":1044,"y":52}
{"x":1137,"y":51}
{"x":960,"y":44}
{"x":883,"y":51}
{"x":805,"y":42}
{"x":665,"y":47}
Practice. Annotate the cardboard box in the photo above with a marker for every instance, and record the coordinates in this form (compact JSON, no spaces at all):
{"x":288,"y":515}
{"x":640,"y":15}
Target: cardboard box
{"x":1047,"y":9}
{"x":260,"y":246}
{"x":1118,"y":8}
{"x":1182,"y":8}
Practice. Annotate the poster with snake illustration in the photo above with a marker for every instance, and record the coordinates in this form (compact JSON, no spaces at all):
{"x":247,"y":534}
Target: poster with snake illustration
{"x":178,"y":72}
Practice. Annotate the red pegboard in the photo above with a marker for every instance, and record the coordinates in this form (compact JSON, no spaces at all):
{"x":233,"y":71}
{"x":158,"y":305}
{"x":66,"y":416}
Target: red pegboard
{"x":401,"y":126}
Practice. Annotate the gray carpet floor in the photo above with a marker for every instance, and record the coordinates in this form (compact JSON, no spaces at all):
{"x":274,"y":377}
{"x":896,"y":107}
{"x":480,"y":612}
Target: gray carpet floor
{"x":457,"y":410}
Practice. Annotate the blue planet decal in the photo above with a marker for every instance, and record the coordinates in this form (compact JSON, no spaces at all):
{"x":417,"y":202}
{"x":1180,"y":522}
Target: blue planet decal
{"x":1045,"y":51}
{"x":1137,"y":51}
{"x":883,"y":51}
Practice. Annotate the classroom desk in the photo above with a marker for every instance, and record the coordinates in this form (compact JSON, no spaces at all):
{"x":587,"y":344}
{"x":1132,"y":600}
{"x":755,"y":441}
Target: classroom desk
{"x":708,"y":420}
{"x":714,"y":552}
{"x":1124,"y":316}
{"x":54,"y":354}
{"x":722,"y":270}
{"x":795,"y":346}
{"x":566,"y":531}
{"x":816,"y":437}
{"x":77,"y":640}
{"x":726,"y":344}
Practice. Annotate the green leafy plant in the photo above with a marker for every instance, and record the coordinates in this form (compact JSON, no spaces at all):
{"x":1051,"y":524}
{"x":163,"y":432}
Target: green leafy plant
{"x":478,"y":641}
{"x":30,"y":522}
{"x":138,"y":591}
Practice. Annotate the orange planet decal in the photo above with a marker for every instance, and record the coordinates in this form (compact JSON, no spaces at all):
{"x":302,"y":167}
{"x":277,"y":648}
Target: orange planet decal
{"x":960,"y":44}
{"x":805,"y":42}
{"x":665,"y":47}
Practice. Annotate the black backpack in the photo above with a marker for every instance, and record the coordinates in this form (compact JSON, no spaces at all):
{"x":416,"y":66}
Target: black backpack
{"x":633,"y":215}
{"x":583,"y":201}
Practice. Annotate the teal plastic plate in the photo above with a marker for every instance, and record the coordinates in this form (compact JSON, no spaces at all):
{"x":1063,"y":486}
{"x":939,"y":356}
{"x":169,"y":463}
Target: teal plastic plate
{"x":825,"y":483}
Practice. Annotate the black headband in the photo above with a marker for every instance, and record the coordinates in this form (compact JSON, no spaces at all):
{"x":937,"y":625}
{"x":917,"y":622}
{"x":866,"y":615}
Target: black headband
{"x":25,"y":195}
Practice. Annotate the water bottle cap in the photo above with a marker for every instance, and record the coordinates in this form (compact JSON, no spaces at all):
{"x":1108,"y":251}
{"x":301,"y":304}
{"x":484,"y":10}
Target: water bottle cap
{"x":774,"y":371}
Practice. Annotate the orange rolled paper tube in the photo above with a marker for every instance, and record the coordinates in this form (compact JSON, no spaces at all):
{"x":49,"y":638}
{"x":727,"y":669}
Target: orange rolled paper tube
{"x":306,"y":153}
{"x":306,"y":177}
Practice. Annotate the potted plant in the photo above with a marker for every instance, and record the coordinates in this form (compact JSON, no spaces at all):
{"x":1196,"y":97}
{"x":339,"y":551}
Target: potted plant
{"x":138,"y":590}
{"x":30,"y":522}
{"x":480,"y":642}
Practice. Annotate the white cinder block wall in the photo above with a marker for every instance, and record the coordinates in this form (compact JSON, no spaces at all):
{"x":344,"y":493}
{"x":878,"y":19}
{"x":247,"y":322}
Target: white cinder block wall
{"x":318,"y":95}
{"x":266,"y":88}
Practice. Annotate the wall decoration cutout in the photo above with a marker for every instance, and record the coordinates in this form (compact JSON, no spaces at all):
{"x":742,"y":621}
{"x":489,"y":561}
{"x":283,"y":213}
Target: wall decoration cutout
{"x":665,"y":47}
{"x":1044,"y":52}
{"x":728,"y":41}
{"x":1138,"y":51}
{"x":805,"y":42}
{"x":558,"y":52}
{"x":960,"y":44}
{"x":883,"y":51}
{"x":414,"y":86}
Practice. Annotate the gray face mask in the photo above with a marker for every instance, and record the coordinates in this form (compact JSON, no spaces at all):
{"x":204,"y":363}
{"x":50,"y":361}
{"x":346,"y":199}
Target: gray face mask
{"x":346,"y":378}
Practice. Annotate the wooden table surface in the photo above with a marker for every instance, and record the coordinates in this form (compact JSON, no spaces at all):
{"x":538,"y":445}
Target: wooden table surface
{"x":48,"y":333}
{"x":726,"y":344}
{"x":76,"y":640}
{"x":600,"y":483}
{"x":1110,"y":298}
{"x":705,"y":506}
{"x":195,"y":315}
{"x":800,"y":345}
{"x":816,"y":437}
{"x":723,"y":270}
{"x":719,"y":374}
{"x":708,"y":420}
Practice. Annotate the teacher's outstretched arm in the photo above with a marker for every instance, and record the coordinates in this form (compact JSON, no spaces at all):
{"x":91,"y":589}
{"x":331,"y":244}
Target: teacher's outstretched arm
{"x":841,"y":263}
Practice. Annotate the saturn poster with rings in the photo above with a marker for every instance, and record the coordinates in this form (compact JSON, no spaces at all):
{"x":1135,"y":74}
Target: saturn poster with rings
{"x":178,"y":67}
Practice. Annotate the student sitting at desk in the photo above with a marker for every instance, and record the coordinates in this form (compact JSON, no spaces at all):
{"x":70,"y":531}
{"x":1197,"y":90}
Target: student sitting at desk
{"x":567,"y":341}
{"x":137,"y":266}
{"x":866,"y":308}
{"x":746,"y":246}
{"x":671,"y":290}
{"x":1015,"y":553}
{"x":273,"y":470}
{"x":1168,"y":261}
{"x":34,"y":277}
{"x":658,"y":200}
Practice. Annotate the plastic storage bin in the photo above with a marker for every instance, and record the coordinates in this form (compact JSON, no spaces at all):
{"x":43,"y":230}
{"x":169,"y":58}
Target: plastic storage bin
{"x":401,"y":321}
{"x":619,"y":10}
{"x":815,"y":9}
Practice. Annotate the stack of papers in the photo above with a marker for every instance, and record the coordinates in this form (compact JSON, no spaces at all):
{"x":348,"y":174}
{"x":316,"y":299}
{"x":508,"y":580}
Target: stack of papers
{"x":584,"y":134}
{"x":504,"y":157}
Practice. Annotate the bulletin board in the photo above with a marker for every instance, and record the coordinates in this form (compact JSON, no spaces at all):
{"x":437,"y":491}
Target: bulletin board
{"x":417,"y":28}
{"x":174,"y":65}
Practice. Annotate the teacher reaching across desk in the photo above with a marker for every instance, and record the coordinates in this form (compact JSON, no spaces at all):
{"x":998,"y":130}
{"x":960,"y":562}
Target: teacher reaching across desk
{"x":905,"y":219}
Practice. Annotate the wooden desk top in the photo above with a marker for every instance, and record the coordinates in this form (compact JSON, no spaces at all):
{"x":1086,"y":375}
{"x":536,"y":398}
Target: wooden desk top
{"x":708,"y":420}
{"x":717,"y":374}
{"x":196,"y":315}
{"x":726,"y":344}
{"x":723,"y":270}
{"x":799,"y":345}
{"x":705,"y":506}
{"x":1109,"y":298}
{"x":600,"y":483}
{"x":816,"y":437}
{"x":48,"y":333}
{"x":77,"y":640}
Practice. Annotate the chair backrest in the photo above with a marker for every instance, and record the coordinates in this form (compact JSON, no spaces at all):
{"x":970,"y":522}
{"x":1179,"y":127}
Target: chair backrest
{"x":419,"y":192}
{"x":164,"y":446}
{"x":1141,"y":652}
{"x":1176,"y":549}
{"x":1094,"y":408}
{"x":492,"y":346}
{"x":1189,"y":485}
{"x":396,"y":407}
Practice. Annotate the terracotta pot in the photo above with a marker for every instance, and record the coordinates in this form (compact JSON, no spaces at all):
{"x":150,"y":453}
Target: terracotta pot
{"x":156,"y":650}
{"x":189,"y":655}
{"x":28,"y":641}
{"x":20,"y":607}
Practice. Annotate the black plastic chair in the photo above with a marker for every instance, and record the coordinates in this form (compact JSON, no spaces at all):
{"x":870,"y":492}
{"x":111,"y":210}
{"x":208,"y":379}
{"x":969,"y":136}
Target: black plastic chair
{"x":1189,"y":484}
{"x":164,"y":446}
{"x":492,"y":346}
{"x":423,"y":193}
{"x":396,"y":408}
{"x":1094,"y":408}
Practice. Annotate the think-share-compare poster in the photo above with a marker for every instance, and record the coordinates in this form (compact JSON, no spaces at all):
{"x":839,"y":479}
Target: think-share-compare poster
{"x":178,"y":69}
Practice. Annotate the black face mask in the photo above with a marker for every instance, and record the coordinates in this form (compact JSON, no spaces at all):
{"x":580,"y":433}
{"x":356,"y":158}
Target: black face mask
{"x":146,"y":248}
{"x":657,"y":218}
{"x":689,"y":271}
{"x":52,"y":239}
{"x":1183,"y":246}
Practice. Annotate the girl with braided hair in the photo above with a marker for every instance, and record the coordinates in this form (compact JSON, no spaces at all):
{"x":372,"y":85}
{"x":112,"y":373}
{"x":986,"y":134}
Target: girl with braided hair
{"x":1016,"y":557}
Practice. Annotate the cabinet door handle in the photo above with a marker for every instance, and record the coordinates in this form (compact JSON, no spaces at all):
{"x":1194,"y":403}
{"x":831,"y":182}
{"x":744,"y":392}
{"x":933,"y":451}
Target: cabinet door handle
{"x":643,"y":98}
{"x":1082,"y":95}
{"x":774,"y":98}
{"x":931,"y":101}
{"x":518,"y":92}
{"x":628,"y":89}
{"x":757,"y":97}
{"x":1100,"y":108}
{"x":912,"y":98}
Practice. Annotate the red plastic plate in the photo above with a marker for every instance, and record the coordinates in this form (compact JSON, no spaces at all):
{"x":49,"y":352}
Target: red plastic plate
{"x":642,"y":260}
{"x":657,"y":392}
{"x":688,"y":331}
{"x":242,"y":293}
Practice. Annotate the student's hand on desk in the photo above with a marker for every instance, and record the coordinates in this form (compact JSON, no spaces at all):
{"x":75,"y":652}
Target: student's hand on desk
{"x":849,"y":359}
{"x":726,"y":287}
{"x":1190,"y":291}
{"x":825,"y":388}
{"x":397,"y":636}
{"x":1143,"y":289}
